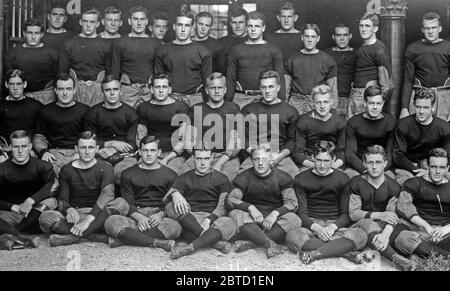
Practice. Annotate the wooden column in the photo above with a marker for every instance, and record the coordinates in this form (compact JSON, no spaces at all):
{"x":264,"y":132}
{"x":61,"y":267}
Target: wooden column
{"x":393,"y":14}
{"x":2,"y":45}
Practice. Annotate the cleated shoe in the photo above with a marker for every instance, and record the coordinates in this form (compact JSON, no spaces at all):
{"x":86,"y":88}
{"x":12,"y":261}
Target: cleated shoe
{"x":273,"y":249}
{"x":222,"y":246}
{"x":244,"y":245}
{"x":181,"y":251}
{"x":114,"y":242}
{"x":57,"y":240}
{"x":403,"y":263}
{"x":7,"y":242}
{"x":166,"y":245}
{"x":309,"y":257}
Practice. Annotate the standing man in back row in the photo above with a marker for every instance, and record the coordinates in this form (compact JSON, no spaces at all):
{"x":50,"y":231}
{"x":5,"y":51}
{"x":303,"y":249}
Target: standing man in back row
{"x":56,"y":35}
{"x":203,"y":23}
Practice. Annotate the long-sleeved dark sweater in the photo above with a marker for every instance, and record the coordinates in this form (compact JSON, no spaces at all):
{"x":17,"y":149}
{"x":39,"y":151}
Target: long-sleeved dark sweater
{"x":214,"y":46}
{"x":227,"y":42}
{"x":118,"y":124}
{"x":346,"y":66}
{"x":39,"y":65}
{"x":322,"y":197}
{"x":413,"y":141}
{"x":263,"y":120}
{"x":145,"y":188}
{"x":246,"y":61}
{"x":18,"y":115}
{"x":362,"y":132}
{"x":57,"y":40}
{"x":19,"y":182}
{"x":289,"y":43}
{"x":187,"y":65}
{"x":310,"y":131}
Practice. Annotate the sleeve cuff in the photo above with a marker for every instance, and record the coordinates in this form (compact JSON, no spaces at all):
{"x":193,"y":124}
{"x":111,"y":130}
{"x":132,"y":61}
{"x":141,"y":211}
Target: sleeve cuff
{"x":282,"y":210}
{"x":212,"y":217}
{"x":95,"y":211}
{"x":368,"y":214}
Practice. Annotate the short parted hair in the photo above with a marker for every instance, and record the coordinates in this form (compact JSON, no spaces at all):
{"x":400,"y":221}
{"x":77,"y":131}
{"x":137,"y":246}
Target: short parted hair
{"x":372,"y":17}
{"x":236,"y":11}
{"x":265,"y":147}
{"x":320,"y":90}
{"x":311,"y":26}
{"x":160,"y":77}
{"x":57,"y":4}
{"x":65,"y":77}
{"x":159,"y":15}
{"x":324,"y":146}
{"x":19,"y":134}
{"x":33,"y":22}
{"x":112,"y":10}
{"x":337,"y":25}
{"x":214,"y":76}
{"x":287,"y":6}
{"x":138,"y":8}
{"x":202,"y":147}
{"x":92,"y":10}
{"x":374,"y":150}
{"x":186,"y":13}
{"x":15,"y":73}
{"x":424,"y":94}
{"x":148,"y":139}
{"x":431,"y":15}
{"x":269,"y":75}
{"x":87,"y":135}
{"x":256,"y":15}
{"x":373,"y":90}
{"x":109,"y":79}
{"x":437,"y":153}
{"x":204,"y":14}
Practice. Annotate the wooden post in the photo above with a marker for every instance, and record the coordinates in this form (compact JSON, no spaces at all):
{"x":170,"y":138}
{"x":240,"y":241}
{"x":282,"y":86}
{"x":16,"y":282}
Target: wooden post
{"x":393,"y":14}
{"x":2,"y":44}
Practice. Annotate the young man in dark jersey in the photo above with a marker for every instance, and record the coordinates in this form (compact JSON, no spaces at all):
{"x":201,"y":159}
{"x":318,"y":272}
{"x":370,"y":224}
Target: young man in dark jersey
{"x":427,"y":66}
{"x":155,"y":118}
{"x":197,"y":202}
{"x":27,"y":184}
{"x":424,"y":206}
{"x":246,"y":60}
{"x":372,"y":205}
{"x":88,"y":57}
{"x":59,"y":125}
{"x":56,"y":35}
{"x":323,"y":210}
{"x":371,"y":127}
{"x":159,"y":25}
{"x":186,"y":62}
{"x":142,"y":190}
{"x":345,"y":58}
{"x":373,"y":64}
{"x":264,"y":203}
{"x":203,"y":23}
{"x":38,"y":61}
{"x":111,"y":21}
{"x":85,"y":197}
{"x":307,"y":68}
{"x":115,"y":124}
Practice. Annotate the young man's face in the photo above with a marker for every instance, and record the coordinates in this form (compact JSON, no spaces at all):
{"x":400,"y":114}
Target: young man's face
{"x":149,"y":153}
{"x":183,"y":28}
{"x":57,"y":18}
{"x":431,"y":29}
{"x":437,"y":167}
{"x":423,"y":108}
{"x":287,"y":19}
{"x":159,"y":28}
{"x":322,"y":104}
{"x":322,"y":163}
{"x":16,"y":86}
{"x":255,"y":28}
{"x":138,"y":22}
{"x":161,"y":89}
{"x":375,"y":165}
{"x":310,"y":39}
{"x":33,"y":35}
{"x":216,"y":90}
{"x":65,"y":91}
{"x":374,"y":106}
{"x":202,"y":160}
{"x":111,"y":91}
{"x":342,"y":37}
{"x":367,"y":29}
{"x":203,"y":26}
{"x":87,"y":149}
{"x":269,"y":89}
{"x":89,"y":24}
{"x":238,"y":25}
{"x":21,"y":148}
{"x":112,"y":22}
{"x":261,"y":162}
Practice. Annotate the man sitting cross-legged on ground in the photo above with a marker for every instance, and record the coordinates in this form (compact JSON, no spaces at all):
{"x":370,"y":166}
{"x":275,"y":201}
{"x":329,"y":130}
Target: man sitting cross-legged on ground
{"x":142,"y":190}
{"x":263,"y":202}
{"x":198,"y":203}
{"x":373,"y":200}
{"x":323,"y":195}
{"x":86,"y":190}
{"x":26,"y":184}
{"x":425,"y":204}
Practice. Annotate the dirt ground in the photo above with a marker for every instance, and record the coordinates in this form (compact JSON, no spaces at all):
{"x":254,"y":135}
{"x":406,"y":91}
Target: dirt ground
{"x":87,"y":256}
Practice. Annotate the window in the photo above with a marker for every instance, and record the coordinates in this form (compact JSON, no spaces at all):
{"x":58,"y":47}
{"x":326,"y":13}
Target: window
{"x":21,"y":11}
